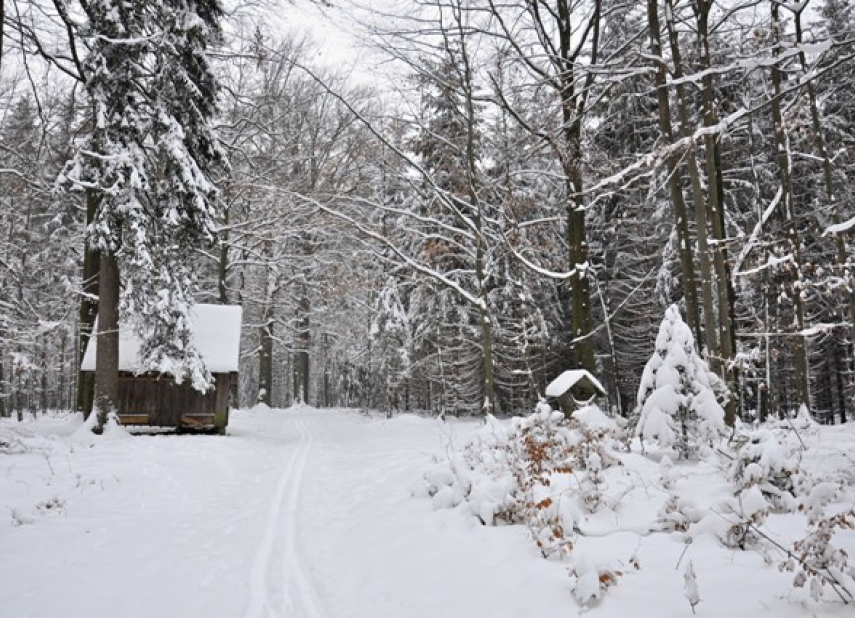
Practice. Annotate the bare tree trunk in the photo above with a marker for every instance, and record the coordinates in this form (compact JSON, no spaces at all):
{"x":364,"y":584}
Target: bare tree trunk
{"x":2,"y":28}
{"x":107,"y":357}
{"x":223,"y":264}
{"x":4,"y":410}
{"x":711,"y":334}
{"x":553,"y":20}
{"x":800,"y":364}
{"x":572,"y":108}
{"x":43,"y":377}
{"x":726,"y":338}
{"x":20,"y":402}
{"x":828,"y":180}
{"x":301,"y":354}
{"x":678,"y":203}
{"x":486,"y":321}
{"x":327,"y":398}
{"x":63,"y":352}
{"x":265,"y":359}
{"x":615,"y":377}
{"x":88,"y":311}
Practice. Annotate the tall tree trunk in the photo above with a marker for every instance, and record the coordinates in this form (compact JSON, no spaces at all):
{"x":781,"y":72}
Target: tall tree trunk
{"x":43,"y":375}
{"x":800,"y":364}
{"x":841,"y":255}
{"x":715,"y":185}
{"x":572,"y":108}
{"x":326,"y":385}
{"x":88,"y":311}
{"x":265,"y":359}
{"x":223,"y":263}
{"x":486,"y":320}
{"x":2,"y":28}
{"x":711,"y":334}
{"x":841,"y":362}
{"x":4,"y":393}
{"x":63,"y":352}
{"x":107,"y":342}
{"x":678,"y":203}
{"x":301,"y":354}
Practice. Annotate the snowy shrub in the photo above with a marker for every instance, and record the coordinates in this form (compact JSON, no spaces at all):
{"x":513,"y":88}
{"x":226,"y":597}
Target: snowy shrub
{"x":813,"y":505}
{"x":818,"y":564}
{"x":542,"y":472}
{"x":677,"y":514}
{"x":765,"y":459}
{"x":591,"y":581}
{"x":748,"y":510}
{"x":677,"y":402}
{"x":766,"y":476}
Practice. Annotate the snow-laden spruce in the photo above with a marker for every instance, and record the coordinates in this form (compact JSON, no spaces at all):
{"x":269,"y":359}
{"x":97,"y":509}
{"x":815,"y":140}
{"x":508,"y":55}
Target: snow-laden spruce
{"x":148,"y":162}
{"x":677,"y":403}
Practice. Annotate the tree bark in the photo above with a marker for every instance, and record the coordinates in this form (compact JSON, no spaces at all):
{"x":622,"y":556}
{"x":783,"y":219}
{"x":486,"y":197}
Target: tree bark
{"x":88,"y":310}
{"x":265,"y":360}
{"x":711,"y":335}
{"x":800,"y":364}
{"x":2,"y":28}
{"x":4,"y":409}
{"x":301,"y":354}
{"x":107,"y":342}
{"x":486,"y":321}
{"x":223,"y":264}
{"x":841,"y":257}
{"x":678,"y":203}
{"x":572,"y":106}
{"x":725,"y":336}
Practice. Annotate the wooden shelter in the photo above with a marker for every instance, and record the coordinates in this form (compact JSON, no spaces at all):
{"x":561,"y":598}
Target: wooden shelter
{"x":156,"y":400}
{"x":574,"y":387}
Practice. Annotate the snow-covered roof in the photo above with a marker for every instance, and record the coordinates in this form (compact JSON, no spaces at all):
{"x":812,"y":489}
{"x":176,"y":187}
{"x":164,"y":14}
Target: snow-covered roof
{"x":216,"y":334}
{"x":568,"y":380}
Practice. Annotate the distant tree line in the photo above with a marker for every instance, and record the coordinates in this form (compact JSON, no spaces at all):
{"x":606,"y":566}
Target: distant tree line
{"x":528,"y":191}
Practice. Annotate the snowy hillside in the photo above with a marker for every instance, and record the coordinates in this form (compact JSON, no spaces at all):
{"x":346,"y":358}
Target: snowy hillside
{"x":306,"y":513}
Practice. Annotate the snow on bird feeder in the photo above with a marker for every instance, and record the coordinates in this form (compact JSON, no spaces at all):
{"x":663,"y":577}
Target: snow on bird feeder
{"x":574,"y":388}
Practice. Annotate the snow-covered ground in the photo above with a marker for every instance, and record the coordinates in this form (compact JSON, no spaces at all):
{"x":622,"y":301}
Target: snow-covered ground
{"x":296,"y":513}
{"x":312,"y":514}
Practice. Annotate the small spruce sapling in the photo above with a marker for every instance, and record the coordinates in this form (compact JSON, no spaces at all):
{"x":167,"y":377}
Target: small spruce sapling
{"x":678,"y":406}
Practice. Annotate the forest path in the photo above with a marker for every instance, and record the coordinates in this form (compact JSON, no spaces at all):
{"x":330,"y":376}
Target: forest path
{"x":279,"y":586}
{"x":297,"y":513}
{"x":347,"y":539}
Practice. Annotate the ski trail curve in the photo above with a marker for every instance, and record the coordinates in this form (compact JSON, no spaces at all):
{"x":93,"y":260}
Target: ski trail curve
{"x":296,"y":596}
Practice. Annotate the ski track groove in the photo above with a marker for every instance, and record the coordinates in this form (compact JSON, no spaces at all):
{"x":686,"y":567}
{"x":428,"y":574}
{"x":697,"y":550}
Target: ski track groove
{"x":282,"y":522}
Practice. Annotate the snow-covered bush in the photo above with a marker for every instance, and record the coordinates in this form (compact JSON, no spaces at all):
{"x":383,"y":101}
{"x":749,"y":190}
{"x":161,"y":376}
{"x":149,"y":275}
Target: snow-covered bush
{"x":747,"y":510}
{"x":765,"y":459}
{"x":766,"y":476}
{"x":591,"y":580}
{"x":543,"y":471}
{"x":678,"y":514}
{"x":678,"y":405}
{"x":819,"y":564}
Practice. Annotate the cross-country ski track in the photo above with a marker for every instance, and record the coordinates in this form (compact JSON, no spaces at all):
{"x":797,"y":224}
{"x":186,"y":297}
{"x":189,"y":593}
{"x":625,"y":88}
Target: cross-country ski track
{"x":279,"y":586}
